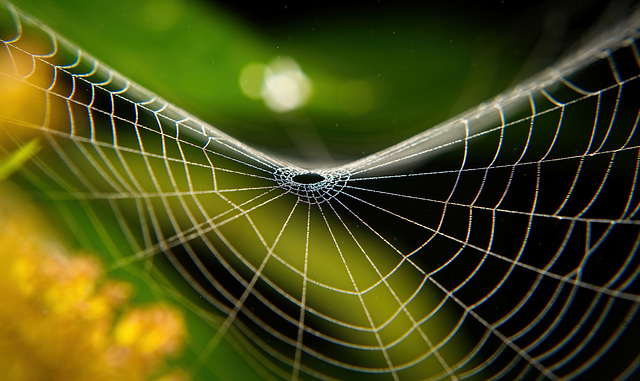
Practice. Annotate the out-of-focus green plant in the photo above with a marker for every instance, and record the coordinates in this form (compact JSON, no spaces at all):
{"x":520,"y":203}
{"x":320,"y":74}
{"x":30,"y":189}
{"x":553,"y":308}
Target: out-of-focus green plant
{"x":15,"y":159}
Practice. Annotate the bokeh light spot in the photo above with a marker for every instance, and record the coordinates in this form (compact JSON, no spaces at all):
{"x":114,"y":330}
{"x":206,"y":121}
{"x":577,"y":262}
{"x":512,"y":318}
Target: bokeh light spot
{"x":282,"y":85}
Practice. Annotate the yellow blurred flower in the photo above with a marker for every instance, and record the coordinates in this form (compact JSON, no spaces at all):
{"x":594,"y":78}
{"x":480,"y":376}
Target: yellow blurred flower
{"x":23,"y":103}
{"x":60,"y":319}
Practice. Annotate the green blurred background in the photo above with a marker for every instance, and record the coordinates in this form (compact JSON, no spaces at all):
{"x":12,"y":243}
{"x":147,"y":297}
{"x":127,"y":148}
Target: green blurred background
{"x":379,"y":72}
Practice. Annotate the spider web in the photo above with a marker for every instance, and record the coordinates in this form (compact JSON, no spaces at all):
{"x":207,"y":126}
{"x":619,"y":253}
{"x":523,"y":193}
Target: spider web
{"x":501,"y":244}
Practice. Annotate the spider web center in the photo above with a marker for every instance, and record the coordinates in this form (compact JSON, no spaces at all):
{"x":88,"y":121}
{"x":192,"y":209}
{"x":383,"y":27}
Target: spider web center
{"x":312,"y":187}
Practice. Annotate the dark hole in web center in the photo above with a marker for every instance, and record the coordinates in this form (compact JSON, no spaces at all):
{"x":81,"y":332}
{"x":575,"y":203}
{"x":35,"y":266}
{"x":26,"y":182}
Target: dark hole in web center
{"x":308,"y":178}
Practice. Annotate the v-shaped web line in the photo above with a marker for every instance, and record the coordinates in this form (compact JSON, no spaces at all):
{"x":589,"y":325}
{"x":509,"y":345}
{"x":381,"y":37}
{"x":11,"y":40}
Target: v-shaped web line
{"x":500,"y":244}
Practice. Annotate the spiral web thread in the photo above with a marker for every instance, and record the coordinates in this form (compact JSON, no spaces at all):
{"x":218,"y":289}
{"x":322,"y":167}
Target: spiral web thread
{"x":511,"y":253}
